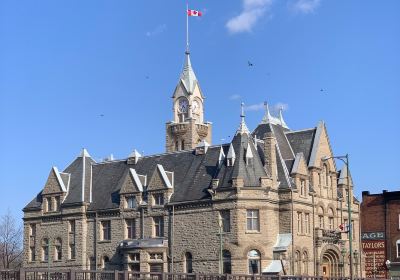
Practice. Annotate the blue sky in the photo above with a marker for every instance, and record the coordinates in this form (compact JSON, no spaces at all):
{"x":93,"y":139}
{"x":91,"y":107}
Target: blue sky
{"x":65,"y":63}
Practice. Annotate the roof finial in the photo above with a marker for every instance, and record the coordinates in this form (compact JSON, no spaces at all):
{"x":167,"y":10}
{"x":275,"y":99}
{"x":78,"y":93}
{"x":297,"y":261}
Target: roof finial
{"x":281,"y":117}
{"x":267,"y":117}
{"x":243,"y":127}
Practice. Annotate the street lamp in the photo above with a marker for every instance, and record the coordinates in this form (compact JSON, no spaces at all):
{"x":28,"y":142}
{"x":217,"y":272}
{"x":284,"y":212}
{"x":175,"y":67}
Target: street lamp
{"x":345,"y":160}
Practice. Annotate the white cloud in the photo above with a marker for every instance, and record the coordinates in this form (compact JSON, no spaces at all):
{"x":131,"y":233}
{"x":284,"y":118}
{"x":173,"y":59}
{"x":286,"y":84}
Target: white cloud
{"x":252,"y":11}
{"x":254,"y":107}
{"x":305,"y":6}
{"x":234,"y":97}
{"x":273,"y":108}
{"x":157,"y":30}
{"x":276,"y":107}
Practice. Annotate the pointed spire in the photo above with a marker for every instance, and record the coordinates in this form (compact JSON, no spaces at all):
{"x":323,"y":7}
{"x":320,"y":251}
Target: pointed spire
{"x":231,"y":156}
{"x":267,"y":117}
{"x":188,"y":77}
{"x":221,"y":156}
{"x":242,"y":127}
{"x":249,"y":153}
{"x":282,"y":121}
{"x":84,"y":153}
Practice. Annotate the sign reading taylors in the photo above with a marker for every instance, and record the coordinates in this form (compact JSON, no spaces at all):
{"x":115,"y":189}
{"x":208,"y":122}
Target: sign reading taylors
{"x":379,"y":235}
{"x":373,"y":245}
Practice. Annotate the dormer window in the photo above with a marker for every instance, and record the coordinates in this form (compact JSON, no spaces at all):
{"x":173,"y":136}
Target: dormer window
{"x":57,"y":203}
{"x":49,"y":204}
{"x":230,"y":161}
{"x":303,"y":189}
{"x":158,"y":199}
{"x":130,"y":202}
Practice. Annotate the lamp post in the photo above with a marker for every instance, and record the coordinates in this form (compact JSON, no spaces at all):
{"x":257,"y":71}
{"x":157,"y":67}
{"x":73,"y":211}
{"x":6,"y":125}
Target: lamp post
{"x":345,"y":160}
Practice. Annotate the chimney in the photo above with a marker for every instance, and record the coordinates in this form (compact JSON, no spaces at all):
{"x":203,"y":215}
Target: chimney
{"x":270,"y":157}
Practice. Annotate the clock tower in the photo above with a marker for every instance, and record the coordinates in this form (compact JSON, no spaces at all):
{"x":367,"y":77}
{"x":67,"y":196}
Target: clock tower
{"x":187,"y":128}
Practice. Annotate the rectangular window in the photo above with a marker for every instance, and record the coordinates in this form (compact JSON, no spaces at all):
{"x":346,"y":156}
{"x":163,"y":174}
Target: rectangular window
{"x":253,"y":220}
{"x":158,"y":226}
{"x":398,"y":248}
{"x":303,"y":187}
{"x":58,"y":252}
{"x":321,"y":221}
{"x":57,"y":203}
{"x":299,"y":223}
{"x":32,"y":254}
{"x":45,"y":253}
{"x":330,"y":221}
{"x":131,"y":202}
{"x":307,"y":223}
{"x":49,"y":205}
{"x":71,"y":251}
{"x":32,"y":235}
{"x":158,"y":199}
{"x":106,"y":230}
{"x":130,"y":229}
{"x":71,"y":226}
{"x":225,"y":220}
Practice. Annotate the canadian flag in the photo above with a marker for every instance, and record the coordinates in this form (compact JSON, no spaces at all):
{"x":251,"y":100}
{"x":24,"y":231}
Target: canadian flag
{"x":194,"y":13}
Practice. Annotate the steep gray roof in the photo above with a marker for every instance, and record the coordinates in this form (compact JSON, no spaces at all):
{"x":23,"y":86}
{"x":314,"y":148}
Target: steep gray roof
{"x":302,"y":141}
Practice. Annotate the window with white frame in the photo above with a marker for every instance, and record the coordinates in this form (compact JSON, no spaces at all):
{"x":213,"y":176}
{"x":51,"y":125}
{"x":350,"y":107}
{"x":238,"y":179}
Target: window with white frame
{"x":398,"y":248}
{"x":130,"y":202}
{"x":253,"y":220}
{"x":158,"y":199}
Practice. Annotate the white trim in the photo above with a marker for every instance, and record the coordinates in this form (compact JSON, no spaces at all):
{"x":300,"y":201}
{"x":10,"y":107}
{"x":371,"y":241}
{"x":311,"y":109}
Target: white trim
{"x":136,"y":179}
{"x":164,"y":176}
{"x":397,"y":248}
{"x":60,"y":181}
{"x":91,"y":184}
{"x":83,"y":178}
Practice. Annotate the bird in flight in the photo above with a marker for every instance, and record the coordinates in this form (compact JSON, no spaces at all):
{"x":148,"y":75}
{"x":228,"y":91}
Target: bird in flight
{"x":249,"y":64}
{"x":101,"y":115}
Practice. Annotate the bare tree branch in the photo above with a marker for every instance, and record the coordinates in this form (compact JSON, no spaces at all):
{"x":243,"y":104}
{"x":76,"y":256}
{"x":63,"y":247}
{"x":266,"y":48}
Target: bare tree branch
{"x":10,"y":241}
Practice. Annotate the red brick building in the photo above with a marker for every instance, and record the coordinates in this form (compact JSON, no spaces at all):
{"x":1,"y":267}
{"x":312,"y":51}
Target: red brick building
{"x":380,"y":233}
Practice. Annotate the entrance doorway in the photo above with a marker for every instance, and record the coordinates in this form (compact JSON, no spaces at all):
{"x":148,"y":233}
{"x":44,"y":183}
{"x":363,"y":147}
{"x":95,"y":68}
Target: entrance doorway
{"x":330,"y":264}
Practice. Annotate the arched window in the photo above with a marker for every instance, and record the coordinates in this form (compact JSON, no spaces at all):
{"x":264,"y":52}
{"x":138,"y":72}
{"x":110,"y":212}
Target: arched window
{"x":188,"y":263}
{"x":398,"y":248}
{"x":58,"y":249}
{"x":45,"y":249}
{"x":105,"y":262}
{"x":331,"y":219}
{"x":305,"y":263}
{"x":227,"y":262}
{"x":297,"y":263}
{"x":254,"y":259}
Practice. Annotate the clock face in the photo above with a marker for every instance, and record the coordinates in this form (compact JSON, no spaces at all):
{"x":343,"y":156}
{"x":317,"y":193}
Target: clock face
{"x":183,"y":105}
{"x":196,"y":106}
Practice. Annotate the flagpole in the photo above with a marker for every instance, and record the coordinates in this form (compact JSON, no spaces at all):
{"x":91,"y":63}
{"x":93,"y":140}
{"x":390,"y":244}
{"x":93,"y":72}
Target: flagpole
{"x":187,"y":26}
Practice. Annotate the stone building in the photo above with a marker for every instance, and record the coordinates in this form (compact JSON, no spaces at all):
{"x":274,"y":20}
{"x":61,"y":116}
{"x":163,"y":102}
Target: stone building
{"x":380,"y":233}
{"x":267,"y":202}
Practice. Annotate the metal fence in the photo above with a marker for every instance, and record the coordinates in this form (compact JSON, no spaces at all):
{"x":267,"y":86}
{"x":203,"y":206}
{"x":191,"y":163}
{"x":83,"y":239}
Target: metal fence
{"x":31,"y":274}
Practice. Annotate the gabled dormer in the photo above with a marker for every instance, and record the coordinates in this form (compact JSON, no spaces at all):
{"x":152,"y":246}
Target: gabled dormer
{"x":131,"y":189}
{"x":299,"y":173}
{"x":160,"y":187}
{"x":55,"y":190}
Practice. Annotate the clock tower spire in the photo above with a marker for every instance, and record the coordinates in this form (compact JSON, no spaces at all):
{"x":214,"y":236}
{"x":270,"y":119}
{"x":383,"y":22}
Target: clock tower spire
{"x":187,"y":128}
